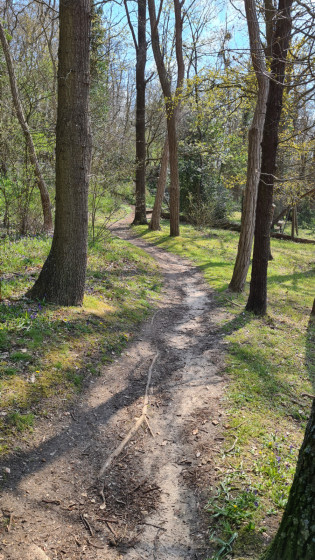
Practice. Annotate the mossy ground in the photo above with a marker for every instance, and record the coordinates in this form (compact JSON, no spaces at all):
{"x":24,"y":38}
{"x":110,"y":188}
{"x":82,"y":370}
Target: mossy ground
{"x":48,"y":352}
{"x":271,"y":364}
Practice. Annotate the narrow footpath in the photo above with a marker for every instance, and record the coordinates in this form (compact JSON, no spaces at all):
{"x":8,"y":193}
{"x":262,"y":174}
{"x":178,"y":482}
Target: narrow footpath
{"x":155,"y":491}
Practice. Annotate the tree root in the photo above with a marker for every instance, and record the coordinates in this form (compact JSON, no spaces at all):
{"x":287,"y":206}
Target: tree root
{"x":132,"y":431}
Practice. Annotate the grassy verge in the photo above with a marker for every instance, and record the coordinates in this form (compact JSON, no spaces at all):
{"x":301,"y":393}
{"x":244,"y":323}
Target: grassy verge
{"x":271,"y":363}
{"x":47,"y":352}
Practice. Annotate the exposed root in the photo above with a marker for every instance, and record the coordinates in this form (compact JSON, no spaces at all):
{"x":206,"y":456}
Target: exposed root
{"x":132,"y":431}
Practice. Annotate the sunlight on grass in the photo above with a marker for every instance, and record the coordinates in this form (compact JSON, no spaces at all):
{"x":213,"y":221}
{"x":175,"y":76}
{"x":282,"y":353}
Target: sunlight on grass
{"x":271,"y":364}
{"x":46,"y":351}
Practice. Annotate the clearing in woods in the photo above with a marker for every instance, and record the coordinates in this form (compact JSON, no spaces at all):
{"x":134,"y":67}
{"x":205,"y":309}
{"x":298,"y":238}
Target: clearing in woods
{"x":155,"y":490}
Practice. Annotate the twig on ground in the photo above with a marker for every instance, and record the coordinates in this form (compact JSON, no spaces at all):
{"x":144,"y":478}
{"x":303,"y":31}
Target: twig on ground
{"x":231,"y":448}
{"x":111,"y":529}
{"x":94,"y":545}
{"x":236,"y":427}
{"x":150,"y":490}
{"x":86,"y":524}
{"x":149,"y":427}
{"x":10,"y":523}
{"x":56,"y":502}
{"x":308,"y":395}
{"x":155,"y":526}
{"x":139,"y":486}
{"x":136,"y":426}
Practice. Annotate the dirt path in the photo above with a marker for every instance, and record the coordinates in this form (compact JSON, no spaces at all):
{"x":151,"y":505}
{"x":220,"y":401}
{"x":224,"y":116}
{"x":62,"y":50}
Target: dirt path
{"x":156,"y":490}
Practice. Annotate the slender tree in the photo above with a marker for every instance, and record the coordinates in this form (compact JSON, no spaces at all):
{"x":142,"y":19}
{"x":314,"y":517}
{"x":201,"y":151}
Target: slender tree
{"x":171,"y":100}
{"x":45,"y":200}
{"x":154,"y":224}
{"x":254,"y":152}
{"x":62,"y":278}
{"x":141,"y":82}
{"x":257,"y":301}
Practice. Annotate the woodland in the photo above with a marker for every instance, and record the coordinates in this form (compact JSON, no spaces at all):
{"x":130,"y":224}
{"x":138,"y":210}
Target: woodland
{"x":133,"y":134}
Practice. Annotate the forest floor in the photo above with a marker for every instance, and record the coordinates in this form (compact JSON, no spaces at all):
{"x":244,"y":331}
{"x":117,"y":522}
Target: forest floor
{"x":156,"y":490}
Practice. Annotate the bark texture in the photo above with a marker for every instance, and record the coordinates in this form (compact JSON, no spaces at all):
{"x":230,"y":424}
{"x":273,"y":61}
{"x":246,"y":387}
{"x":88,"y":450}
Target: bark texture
{"x":157,"y":208}
{"x":141,"y":51}
{"x":62,"y":278}
{"x":45,"y":200}
{"x":295,"y":539}
{"x":257,"y":301}
{"x":313,"y":308}
{"x":254,"y":153}
{"x":170,"y":102}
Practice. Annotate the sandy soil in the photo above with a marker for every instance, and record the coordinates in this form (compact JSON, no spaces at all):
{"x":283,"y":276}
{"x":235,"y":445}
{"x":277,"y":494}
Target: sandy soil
{"x":156,"y":490}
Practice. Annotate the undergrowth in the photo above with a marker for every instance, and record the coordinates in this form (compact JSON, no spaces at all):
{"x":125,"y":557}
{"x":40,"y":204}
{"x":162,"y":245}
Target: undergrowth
{"x":48,"y":352}
{"x":270,"y":362}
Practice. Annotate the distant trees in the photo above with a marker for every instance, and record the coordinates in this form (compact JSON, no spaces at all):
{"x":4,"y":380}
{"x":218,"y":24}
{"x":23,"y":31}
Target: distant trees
{"x":45,"y":199}
{"x":217,"y":96}
{"x":62,"y":278}
{"x":27,"y":142}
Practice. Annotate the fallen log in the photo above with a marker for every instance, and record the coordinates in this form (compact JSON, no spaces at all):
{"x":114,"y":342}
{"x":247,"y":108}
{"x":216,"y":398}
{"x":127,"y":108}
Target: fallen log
{"x":237,"y":227}
{"x":289,"y":238}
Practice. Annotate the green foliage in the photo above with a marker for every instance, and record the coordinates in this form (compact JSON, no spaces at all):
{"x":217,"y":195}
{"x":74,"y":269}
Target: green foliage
{"x":47,"y":352}
{"x":20,"y":422}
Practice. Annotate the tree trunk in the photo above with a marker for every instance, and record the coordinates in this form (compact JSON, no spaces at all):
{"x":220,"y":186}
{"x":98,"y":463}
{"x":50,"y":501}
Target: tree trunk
{"x":45,"y":200}
{"x":292,"y":222}
{"x":62,"y":278}
{"x":157,"y":208}
{"x":170,"y":103}
{"x":295,"y":539}
{"x":254,"y":154}
{"x":313,"y":308}
{"x":141,"y":49}
{"x":257,"y":301}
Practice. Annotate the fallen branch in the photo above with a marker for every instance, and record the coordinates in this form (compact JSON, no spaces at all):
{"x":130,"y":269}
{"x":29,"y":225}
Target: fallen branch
{"x":231,"y":448}
{"x":308,"y":395}
{"x":55,"y":502}
{"x":134,"y":429}
{"x":86,"y":524}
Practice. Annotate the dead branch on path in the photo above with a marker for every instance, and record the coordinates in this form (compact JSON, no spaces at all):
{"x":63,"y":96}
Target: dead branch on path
{"x":132,"y":431}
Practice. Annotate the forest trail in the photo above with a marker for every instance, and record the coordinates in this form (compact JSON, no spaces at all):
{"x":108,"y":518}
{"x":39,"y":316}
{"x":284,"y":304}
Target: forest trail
{"x":156,"y":490}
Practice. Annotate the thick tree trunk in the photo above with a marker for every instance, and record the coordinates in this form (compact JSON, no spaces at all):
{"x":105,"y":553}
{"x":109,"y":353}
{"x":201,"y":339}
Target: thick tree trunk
{"x":257,"y":301}
{"x":45,"y":200}
{"x":254,"y":153}
{"x":140,"y":210}
{"x":295,"y":539}
{"x":160,"y":190}
{"x":313,"y":308}
{"x":62,"y":278}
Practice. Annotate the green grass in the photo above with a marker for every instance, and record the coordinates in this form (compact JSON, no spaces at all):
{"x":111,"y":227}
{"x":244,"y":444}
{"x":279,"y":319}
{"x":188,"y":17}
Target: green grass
{"x":271,"y":363}
{"x":46,"y":351}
